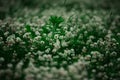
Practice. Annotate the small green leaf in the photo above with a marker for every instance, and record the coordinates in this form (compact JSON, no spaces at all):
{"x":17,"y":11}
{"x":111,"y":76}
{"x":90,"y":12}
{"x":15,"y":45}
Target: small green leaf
{"x":28,"y":28}
{"x":56,"y":20}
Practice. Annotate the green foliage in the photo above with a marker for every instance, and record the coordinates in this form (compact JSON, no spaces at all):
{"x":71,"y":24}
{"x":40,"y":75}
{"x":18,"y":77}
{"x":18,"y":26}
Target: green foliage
{"x":83,"y":43}
{"x":56,"y":20}
{"x":28,"y":29}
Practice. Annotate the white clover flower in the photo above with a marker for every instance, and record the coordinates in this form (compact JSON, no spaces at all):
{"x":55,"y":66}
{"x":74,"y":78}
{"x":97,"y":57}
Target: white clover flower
{"x":22,"y":43}
{"x":89,"y":42}
{"x":10,"y":65}
{"x":80,"y":36}
{"x":47,"y":56}
{"x":47,"y":50}
{"x":19,"y":32}
{"x":1,"y":38}
{"x":51,"y":41}
{"x":60,"y":53}
{"x":56,"y":57}
{"x":110,"y":64}
{"x":53,"y":69}
{"x":27,"y":35}
{"x":62,"y":72}
{"x":41,"y":58}
{"x":61,"y":37}
{"x":19,"y":65}
{"x":93,"y":44}
{"x":12,"y":36}
{"x":80,"y":65}
{"x":32,"y":48}
{"x":73,"y":55}
{"x":77,"y":30}
{"x":29,"y":76}
{"x":18,"y":39}
{"x":37,"y":33}
{"x":72,"y":69}
{"x":68,"y":34}
{"x":101,"y":67}
{"x":97,"y":18}
{"x":48,"y":76}
{"x":108,"y":36}
{"x":56,"y":36}
{"x":84,"y":49}
{"x":64,"y":44}
{"x":91,"y":37}
{"x":42,"y":42}
{"x":2,"y":59}
{"x":6,"y":33}
{"x":64,"y":63}
{"x":85,"y":33}
{"x":5,"y":48}
{"x":93,"y":70}
{"x":118,"y":59}
{"x":56,"y":46}
{"x":87,"y":57}
{"x":101,"y":58}
{"x":101,"y":42}
{"x":44,"y":34}
{"x":37,"y":38}
{"x":93,"y":60}
{"x":113,"y":53}
{"x":94,"y":54}
{"x":118,"y":34}
{"x":71,"y":29}
{"x":54,"y":63}
{"x":72,"y":51}
{"x":31,"y":64}
{"x":50,"y":34}
{"x":77,"y":77}
{"x":64,"y":55}
{"x":39,"y":52}
{"x":84,"y":74}
{"x":54,"y":50}
{"x":38,"y":76}
{"x":11,"y":40}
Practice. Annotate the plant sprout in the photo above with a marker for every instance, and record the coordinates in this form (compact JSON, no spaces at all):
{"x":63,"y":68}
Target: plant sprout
{"x":56,"y":20}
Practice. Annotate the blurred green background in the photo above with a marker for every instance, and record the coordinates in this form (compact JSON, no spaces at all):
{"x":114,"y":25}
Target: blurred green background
{"x":8,"y":7}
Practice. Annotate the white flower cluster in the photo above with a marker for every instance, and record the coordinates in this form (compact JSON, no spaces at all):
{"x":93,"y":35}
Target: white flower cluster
{"x":76,"y":71}
{"x":83,"y":47}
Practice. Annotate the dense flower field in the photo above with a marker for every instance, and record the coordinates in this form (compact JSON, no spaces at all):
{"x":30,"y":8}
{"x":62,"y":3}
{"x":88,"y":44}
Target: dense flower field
{"x":60,"y":40}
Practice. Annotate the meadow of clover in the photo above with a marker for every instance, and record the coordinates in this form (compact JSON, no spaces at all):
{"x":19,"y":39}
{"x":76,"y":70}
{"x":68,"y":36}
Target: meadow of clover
{"x":59,"y":40}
